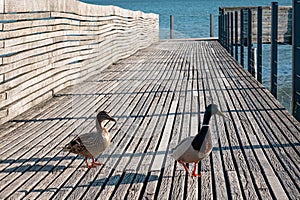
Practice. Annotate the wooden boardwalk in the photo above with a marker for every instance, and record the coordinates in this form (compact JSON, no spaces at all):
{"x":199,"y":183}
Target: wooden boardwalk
{"x":158,"y":97}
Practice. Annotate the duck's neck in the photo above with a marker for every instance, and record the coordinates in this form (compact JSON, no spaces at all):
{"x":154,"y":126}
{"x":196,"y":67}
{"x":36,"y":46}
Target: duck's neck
{"x":99,"y":125}
{"x":199,"y":138}
{"x":207,"y":116}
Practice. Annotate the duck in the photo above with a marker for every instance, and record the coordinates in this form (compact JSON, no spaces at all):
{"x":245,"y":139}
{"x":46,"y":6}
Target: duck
{"x":193,"y":149}
{"x":91,"y":145}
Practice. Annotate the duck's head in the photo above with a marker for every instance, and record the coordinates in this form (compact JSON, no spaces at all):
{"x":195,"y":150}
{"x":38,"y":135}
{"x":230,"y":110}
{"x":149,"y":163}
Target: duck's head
{"x":103,"y":115}
{"x":213,"y":109}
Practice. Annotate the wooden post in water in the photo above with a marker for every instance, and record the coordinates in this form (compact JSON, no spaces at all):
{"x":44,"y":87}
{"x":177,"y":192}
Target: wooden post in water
{"x":236,"y":34}
{"x":231,"y":33}
{"x":274,"y":48}
{"x":259,"y":44}
{"x":242,"y":37}
{"x":171,"y":27}
{"x":220,"y":26}
{"x":296,"y":59}
{"x":211,"y":25}
{"x":249,"y":42}
{"x":254,"y":56}
{"x":227,"y":32}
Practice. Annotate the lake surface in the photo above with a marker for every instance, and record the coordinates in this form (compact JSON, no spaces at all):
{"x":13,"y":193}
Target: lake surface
{"x":192,"y":21}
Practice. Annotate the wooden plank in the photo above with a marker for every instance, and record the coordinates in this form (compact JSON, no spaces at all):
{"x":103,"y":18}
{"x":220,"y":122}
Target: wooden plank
{"x":163,"y":108}
{"x":214,"y":168}
{"x":158,"y":160}
{"x":23,"y":6}
{"x":23,"y":16}
{"x":165,"y":185}
{"x":2,"y":79}
{"x":180,"y":175}
{"x":47,"y":58}
{"x":1,"y":6}
{"x":163,"y":189}
{"x":3,"y":96}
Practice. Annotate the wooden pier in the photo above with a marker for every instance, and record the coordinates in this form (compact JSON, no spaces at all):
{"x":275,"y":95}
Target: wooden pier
{"x":158,"y":97}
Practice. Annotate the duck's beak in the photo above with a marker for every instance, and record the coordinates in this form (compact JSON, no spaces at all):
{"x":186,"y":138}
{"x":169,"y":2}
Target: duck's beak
{"x":221,"y":114}
{"x":111,"y":119}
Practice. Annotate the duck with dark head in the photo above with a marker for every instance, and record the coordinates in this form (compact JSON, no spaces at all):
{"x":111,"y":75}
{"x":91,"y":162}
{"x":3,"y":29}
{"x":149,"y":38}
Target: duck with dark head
{"x":195,"y":148}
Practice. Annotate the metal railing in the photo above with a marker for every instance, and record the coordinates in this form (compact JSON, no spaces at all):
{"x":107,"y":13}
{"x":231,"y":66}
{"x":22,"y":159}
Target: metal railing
{"x":235,"y":42}
{"x":296,"y":59}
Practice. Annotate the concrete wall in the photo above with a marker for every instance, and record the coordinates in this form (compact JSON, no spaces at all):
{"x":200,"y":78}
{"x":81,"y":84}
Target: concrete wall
{"x":47,"y":45}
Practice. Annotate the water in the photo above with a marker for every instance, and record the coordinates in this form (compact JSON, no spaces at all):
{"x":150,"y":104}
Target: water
{"x":192,"y":21}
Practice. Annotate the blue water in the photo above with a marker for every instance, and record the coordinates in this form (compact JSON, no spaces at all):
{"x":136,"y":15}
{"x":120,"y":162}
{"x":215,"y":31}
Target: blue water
{"x":192,"y":21}
{"x":191,"y":16}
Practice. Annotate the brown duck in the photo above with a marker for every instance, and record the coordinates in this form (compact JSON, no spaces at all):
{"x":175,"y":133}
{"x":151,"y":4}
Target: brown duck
{"x":91,"y":145}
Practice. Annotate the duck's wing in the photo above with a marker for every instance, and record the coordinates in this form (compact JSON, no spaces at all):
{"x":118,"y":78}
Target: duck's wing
{"x":95,"y":142}
{"x":182,"y":147}
{"x":76,"y":146}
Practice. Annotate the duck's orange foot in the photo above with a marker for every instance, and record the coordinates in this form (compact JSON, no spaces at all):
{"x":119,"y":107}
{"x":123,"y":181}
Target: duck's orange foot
{"x":195,"y":175}
{"x":194,"y":171}
{"x":91,"y":166}
{"x":184,"y":165}
{"x":96,"y":163}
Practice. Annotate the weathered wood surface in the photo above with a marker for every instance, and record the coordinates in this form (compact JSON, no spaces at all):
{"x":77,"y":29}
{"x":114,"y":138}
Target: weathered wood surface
{"x":284,"y":22}
{"x":46,"y":45}
{"x":158,"y":97}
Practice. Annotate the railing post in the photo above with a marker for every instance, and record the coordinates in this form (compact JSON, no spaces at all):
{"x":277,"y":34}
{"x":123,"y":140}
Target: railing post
{"x":171,"y":27}
{"x":225,"y":31}
{"x":228,"y":33}
{"x":220,"y":30}
{"x":242,"y":37}
{"x":259,"y":44}
{"x":231,"y":33}
{"x":274,"y":46}
{"x":254,"y":64}
{"x":211,"y":25}
{"x":296,"y":59}
{"x":236,"y":32}
{"x":249,"y":42}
